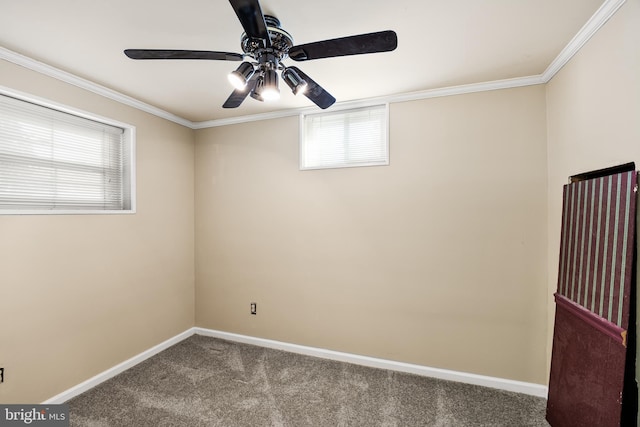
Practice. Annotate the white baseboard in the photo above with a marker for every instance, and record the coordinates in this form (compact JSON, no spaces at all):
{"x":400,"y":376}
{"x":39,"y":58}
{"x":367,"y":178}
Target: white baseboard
{"x":112,"y":372}
{"x":444,"y":374}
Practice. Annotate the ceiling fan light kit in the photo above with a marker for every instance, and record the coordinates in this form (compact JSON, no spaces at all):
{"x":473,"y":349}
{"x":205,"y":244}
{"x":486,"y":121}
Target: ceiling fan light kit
{"x":240,"y":77}
{"x":294,"y":81}
{"x":270,"y":90}
{"x":266,"y":44}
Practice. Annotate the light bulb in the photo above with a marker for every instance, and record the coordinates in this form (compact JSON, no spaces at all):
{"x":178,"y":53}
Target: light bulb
{"x":301,"y":88}
{"x":236,"y":81}
{"x":270,"y":94}
{"x":270,"y":91}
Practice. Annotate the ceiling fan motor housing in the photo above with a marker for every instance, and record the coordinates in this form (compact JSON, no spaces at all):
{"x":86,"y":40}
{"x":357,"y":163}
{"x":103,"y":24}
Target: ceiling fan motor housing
{"x":268,"y":57}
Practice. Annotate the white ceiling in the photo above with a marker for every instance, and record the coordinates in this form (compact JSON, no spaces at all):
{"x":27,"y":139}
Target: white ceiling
{"x":441,"y":43}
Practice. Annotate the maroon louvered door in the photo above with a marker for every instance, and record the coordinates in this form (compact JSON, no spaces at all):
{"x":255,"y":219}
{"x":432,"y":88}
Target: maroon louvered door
{"x":595,"y":279}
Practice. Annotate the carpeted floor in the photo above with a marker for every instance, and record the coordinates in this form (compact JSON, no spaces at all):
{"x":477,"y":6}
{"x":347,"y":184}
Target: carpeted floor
{"x":204,"y":381}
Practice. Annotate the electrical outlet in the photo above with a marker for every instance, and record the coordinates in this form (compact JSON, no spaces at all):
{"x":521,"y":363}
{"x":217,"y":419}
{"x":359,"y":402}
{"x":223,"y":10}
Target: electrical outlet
{"x":1,"y":375}
{"x":254,"y":307}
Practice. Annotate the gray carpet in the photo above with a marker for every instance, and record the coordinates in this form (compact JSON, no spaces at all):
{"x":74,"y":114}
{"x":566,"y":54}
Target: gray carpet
{"x":204,"y":381}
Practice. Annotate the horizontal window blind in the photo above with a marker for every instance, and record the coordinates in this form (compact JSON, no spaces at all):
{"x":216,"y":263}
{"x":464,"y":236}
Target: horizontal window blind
{"x":53,"y":160}
{"x":355,"y":137}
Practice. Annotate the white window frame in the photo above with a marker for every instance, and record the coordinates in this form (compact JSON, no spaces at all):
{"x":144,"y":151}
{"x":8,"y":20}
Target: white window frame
{"x":130,"y":144}
{"x":346,"y":164}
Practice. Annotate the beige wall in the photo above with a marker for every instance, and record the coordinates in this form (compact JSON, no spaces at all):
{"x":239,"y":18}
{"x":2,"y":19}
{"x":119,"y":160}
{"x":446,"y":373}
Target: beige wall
{"x":80,"y":294}
{"x":593,"y":115}
{"x":438,"y":259}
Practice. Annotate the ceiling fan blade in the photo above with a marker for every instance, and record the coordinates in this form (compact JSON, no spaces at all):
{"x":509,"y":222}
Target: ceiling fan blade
{"x":315,"y":92}
{"x":250,"y":15}
{"x":237,"y":97}
{"x":182,"y":54}
{"x":382,"y":41}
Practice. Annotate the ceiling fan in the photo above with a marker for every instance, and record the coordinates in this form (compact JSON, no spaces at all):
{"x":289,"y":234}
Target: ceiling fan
{"x":266,"y":44}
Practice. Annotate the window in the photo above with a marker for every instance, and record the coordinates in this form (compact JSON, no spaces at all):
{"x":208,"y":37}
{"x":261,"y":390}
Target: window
{"x":348,"y":138}
{"x":52,"y":161}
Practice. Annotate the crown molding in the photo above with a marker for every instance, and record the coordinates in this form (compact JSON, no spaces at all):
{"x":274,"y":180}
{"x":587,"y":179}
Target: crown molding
{"x":249,"y":118}
{"x":602,"y":15}
{"x":367,"y":102}
{"x":56,"y":73}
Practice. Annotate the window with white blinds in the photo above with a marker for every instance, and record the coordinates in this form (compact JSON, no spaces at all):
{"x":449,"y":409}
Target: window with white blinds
{"x":347,"y":138}
{"x":52,"y":161}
